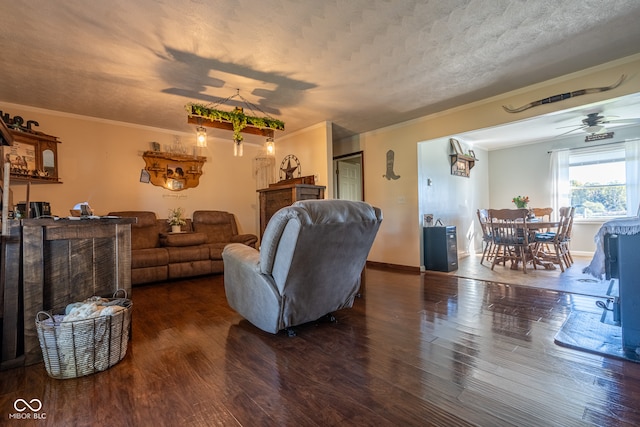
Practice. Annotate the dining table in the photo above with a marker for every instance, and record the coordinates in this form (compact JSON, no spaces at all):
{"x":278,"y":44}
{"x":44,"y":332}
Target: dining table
{"x":542,"y":258}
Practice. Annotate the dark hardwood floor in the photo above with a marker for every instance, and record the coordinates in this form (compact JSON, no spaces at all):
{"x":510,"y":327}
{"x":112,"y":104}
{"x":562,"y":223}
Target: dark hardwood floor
{"x":417,"y":349}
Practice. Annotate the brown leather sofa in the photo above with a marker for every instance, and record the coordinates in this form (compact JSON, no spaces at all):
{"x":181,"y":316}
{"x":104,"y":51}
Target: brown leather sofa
{"x":157,"y":254}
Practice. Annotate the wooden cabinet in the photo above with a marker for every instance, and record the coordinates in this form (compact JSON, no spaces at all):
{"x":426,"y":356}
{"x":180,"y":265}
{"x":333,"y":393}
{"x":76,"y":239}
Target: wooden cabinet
{"x":47,"y":264}
{"x":278,"y":196}
{"x":462,"y":164}
{"x":33,"y":157}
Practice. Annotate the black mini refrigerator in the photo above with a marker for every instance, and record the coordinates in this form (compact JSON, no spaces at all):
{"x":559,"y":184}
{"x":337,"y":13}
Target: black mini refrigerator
{"x":440,"y":248}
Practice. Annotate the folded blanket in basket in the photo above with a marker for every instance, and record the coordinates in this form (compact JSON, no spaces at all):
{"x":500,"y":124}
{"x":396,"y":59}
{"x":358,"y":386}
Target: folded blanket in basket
{"x":89,"y":310}
{"x":83,"y":335}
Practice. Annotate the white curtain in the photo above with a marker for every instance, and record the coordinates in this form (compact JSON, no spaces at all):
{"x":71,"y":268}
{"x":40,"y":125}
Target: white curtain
{"x":560,"y":186}
{"x":632,"y":166}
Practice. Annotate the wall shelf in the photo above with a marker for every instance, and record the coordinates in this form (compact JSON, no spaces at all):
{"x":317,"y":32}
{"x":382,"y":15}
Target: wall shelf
{"x":173,"y":171}
{"x":461,"y":164}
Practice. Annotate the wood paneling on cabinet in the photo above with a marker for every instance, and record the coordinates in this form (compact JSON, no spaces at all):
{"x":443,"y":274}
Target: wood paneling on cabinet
{"x":274,"y":198}
{"x":63,"y":261}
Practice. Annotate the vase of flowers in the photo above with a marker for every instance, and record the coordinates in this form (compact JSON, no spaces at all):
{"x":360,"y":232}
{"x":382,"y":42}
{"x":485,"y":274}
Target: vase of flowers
{"x":176,"y":219}
{"x":520,"y":201}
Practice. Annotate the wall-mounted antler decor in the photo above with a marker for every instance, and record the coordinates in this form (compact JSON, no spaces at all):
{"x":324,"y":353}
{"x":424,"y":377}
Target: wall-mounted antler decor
{"x":562,"y":96}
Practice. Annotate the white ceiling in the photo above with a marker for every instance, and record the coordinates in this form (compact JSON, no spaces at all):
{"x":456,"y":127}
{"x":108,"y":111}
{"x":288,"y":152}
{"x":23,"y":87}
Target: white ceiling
{"x":362,"y":64}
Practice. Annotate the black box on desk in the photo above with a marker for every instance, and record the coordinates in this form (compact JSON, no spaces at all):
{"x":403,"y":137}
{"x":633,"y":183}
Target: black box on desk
{"x":440,"y":248}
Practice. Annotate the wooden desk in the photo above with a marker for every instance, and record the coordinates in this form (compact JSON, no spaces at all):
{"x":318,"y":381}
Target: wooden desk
{"x":62,"y":261}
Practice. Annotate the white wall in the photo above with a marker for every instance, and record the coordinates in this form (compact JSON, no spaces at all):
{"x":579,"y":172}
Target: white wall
{"x":453,"y":199}
{"x":313,"y":146}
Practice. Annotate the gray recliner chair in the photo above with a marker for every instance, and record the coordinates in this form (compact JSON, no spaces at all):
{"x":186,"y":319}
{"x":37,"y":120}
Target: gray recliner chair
{"x":309,"y":264}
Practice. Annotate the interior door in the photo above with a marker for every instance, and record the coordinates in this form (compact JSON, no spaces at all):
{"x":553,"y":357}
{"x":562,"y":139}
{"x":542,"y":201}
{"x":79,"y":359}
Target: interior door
{"x":349,"y":178}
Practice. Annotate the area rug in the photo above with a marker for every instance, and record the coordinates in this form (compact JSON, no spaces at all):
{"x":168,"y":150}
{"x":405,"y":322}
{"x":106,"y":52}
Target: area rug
{"x":585,"y":331}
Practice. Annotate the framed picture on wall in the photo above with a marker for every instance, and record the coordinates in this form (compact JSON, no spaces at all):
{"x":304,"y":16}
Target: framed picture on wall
{"x":22,"y":158}
{"x":145,"y":176}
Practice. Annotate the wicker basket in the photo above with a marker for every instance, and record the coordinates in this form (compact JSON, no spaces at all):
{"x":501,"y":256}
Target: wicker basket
{"x":77,"y":348}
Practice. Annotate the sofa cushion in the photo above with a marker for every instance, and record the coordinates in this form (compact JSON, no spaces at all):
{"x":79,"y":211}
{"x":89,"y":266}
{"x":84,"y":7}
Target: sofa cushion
{"x":150,"y":257}
{"x":187,"y":253}
{"x":189,"y":269}
{"x":149,"y":274}
{"x":144,"y":233}
{"x":219,"y":226}
{"x":215,"y":250}
{"x":182,"y":239}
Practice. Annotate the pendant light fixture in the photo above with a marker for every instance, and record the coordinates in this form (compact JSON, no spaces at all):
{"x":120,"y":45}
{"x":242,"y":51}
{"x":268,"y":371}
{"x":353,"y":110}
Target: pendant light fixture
{"x":235,"y":120}
{"x":201,"y":137}
{"x":238,"y":148}
{"x":270,"y":147}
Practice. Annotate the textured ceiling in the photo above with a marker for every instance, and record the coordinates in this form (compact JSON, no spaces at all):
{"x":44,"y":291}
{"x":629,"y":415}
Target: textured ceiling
{"x":362,"y":64}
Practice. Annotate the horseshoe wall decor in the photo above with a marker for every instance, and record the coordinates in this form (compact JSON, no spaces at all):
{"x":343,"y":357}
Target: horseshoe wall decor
{"x":562,"y":96}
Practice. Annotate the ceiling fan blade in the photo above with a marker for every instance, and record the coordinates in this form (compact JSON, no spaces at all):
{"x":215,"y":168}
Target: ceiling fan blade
{"x":636,"y":120}
{"x":573,"y":130}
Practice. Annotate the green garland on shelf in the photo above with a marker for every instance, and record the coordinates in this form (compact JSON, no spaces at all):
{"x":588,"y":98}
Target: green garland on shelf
{"x":237,"y":118}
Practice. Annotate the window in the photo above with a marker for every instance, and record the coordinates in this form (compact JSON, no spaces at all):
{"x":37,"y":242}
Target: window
{"x":601,"y":181}
{"x":597,"y":179}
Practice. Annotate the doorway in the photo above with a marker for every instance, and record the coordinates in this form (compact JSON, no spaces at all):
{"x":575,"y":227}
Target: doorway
{"x":349,"y":176}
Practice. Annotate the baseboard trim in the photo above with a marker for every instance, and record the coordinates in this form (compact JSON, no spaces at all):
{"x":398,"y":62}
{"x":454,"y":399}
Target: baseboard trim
{"x":396,"y":267}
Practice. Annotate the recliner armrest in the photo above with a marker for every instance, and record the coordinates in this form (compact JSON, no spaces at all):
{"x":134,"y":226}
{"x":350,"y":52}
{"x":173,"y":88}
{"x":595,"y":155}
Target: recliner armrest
{"x":240,"y":256}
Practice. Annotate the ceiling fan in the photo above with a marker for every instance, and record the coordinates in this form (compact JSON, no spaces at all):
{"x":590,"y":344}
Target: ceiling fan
{"x":594,"y":124}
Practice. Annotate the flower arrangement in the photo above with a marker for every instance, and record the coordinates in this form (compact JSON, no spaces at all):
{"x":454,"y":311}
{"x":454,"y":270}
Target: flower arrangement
{"x":521,"y":202}
{"x":176,"y":217}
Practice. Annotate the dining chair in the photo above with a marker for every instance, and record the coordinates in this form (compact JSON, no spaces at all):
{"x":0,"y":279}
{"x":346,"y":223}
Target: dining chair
{"x":510,"y":236}
{"x":566,"y":240}
{"x":543,"y":214}
{"x":487,"y":241}
{"x":555,"y":242}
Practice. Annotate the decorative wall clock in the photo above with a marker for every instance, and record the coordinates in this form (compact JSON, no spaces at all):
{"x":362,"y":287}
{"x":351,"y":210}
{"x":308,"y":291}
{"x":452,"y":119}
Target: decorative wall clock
{"x":290,"y":164}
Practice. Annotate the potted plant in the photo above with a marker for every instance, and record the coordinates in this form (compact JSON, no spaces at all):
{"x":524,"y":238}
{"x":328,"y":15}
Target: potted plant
{"x":520,"y":201}
{"x":176,"y":219}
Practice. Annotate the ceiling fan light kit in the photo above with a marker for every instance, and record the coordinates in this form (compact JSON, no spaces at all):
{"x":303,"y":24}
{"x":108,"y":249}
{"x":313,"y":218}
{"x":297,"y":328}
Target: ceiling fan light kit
{"x":236,"y":121}
{"x":594,"y":129}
